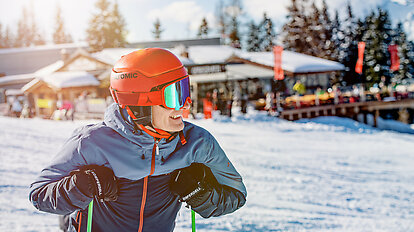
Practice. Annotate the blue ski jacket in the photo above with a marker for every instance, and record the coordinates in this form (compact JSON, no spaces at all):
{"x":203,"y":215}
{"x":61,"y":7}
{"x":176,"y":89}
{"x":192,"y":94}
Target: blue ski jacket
{"x":129,"y":152}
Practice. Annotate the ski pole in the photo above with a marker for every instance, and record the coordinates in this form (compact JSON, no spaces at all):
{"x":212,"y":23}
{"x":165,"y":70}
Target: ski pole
{"x":193,"y":220}
{"x":90,"y":212}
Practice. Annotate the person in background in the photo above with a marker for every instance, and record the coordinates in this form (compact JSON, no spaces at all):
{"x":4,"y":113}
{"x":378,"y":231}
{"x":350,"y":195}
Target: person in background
{"x":16,"y":107}
{"x":299,"y":88}
{"x":133,"y":170}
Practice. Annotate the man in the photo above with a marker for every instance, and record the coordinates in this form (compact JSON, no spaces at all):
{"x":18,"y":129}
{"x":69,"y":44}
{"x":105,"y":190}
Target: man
{"x":142,"y":161}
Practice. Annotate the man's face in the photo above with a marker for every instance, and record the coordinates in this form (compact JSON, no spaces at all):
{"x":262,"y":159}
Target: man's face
{"x":168,"y":119}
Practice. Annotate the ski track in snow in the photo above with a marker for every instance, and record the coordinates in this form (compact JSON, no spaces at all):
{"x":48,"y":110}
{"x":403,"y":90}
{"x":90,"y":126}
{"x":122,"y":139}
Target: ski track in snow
{"x":305,"y":176}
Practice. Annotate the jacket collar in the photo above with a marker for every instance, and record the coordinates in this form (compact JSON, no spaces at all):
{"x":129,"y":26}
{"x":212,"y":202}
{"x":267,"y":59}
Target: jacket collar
{"x":119,"y":120}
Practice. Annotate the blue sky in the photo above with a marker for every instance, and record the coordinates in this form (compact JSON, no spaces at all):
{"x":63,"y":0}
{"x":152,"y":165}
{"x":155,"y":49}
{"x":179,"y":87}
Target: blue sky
{"x":179,"y":19}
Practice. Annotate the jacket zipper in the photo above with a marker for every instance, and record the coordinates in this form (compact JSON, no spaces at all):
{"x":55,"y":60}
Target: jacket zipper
{"x":155,"y":151}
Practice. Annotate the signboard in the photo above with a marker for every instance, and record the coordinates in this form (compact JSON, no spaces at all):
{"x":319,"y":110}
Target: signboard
{"x":395,"y":60}
{"x":360,"y":61}
{"x":277,"y":53}
{"x":44,"y":103}
{"x":205,"y":69}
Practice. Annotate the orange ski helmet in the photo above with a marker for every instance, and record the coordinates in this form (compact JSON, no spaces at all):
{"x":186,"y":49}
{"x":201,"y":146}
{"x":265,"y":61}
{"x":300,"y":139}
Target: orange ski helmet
{"x":151,"y":76}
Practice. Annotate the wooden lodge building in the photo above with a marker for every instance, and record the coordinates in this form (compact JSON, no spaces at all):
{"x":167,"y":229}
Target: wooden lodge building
{"x":212,"y":67}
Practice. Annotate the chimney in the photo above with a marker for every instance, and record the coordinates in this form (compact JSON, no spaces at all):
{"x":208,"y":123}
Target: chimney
{"x":183,"y":51}
{"x":64,"y":55}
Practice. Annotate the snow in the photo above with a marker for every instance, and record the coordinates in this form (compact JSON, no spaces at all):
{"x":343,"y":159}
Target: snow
{"x":294,"y":62}
{"x":208,"y":54}
{"x":111,"y":55}
{"x":70,"y":79}
{"x":325,"y":174}
{"x":21,"y":77}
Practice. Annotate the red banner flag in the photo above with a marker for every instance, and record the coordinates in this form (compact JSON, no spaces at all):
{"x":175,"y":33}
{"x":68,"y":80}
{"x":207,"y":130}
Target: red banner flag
{"x":277,"y":53}
{"x":395,"y":60}
{"x":360,"y":61}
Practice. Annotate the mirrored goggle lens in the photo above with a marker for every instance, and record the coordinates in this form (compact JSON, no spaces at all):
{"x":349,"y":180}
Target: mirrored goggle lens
{"x":176,"y":94}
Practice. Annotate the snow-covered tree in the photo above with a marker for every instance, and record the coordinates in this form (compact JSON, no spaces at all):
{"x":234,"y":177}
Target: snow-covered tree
{"x":106,"y":27}
{"x":27,"y":30}
{"x":405,"y":54}
{"x":267,"y":34}
{"x":117,"y":27}
{"x":253,"y":41}
{"x":234,"y":10}
{"x":350,"y":34}
{"x":377,"y":38}
{"x":221,"y":20}
{"x":23,"y":38}
{"x":293,"y":34}
{"x":60,"y":36}
{"x":203,"y":29}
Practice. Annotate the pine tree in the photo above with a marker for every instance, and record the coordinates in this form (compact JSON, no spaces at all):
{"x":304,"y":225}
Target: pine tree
{"x":234,"y":35}
{"x":117,"y":27}
{"x":203,"y":29}
{"x":328,"y":47}
{"x":2,"y":45}
{"x":157,"y":29}
{"x":337,"y":36}
{"x":267,"y":34}
{"x":405,"y":54}
{"x":27,"y":31}
{"x":377,"y":38}
{"x":221,"y":21}
{"x":314,"y":32}
{"x":293,"y":31}
{"x":60,"y":36}
{"x":8,"y":38}
{"x":352,"y":30}
{"x":37,"y":38}
{"x":234,"y":11}
{"x":106,"y":27}
{"x":253,"y":40}
{"x":23,"y":30}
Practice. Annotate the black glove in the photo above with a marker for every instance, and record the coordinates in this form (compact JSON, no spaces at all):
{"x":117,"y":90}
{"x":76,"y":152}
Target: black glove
{"x":193,"y":184}
{"x":99,"y":181}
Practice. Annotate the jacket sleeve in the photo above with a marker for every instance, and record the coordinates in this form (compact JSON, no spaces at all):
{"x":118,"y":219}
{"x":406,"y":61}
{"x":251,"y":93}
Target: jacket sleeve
{"x":230,"y":194}
{"x":54,"y":191}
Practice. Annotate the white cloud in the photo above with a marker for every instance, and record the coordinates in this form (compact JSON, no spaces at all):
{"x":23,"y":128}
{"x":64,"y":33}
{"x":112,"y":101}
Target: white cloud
{"x":182,"y":11}
{"x":274,"y":9}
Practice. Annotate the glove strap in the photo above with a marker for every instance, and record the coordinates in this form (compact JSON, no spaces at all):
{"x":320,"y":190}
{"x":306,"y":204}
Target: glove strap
{"x":98,"y":183}
{"x":193,"y":193}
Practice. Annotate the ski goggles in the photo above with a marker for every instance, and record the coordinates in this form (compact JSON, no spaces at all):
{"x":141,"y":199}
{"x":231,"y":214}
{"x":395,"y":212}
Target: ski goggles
{"x":177,"y":94}
{"x":172,"y":95}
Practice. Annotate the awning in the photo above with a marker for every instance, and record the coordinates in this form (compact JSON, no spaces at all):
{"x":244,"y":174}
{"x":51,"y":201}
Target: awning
{"x":234,"y":72}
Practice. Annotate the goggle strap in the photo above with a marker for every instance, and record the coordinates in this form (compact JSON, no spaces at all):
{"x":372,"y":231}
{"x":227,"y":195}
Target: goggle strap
{"x":130,"y":113}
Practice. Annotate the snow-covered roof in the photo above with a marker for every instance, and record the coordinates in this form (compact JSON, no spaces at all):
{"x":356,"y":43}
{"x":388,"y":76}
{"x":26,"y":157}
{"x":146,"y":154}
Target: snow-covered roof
{"x":14,"y":78}
{"x":211,"y":54}
{"x":65,"y":80}
{"x":44,"y":47}
{"x":294,"y":62}
{"x":70,"y":79}
{"x":111,"y":55}
{"x":291,"y":61}
{"x":51,"y":68}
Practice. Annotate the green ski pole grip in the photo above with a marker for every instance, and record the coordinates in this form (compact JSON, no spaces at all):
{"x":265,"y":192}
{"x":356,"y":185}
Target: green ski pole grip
{"x":90,"y":212}
{"x":193,"y":220}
